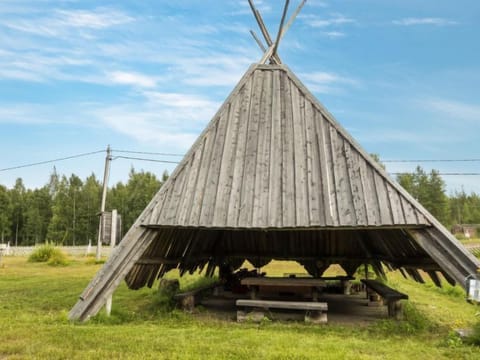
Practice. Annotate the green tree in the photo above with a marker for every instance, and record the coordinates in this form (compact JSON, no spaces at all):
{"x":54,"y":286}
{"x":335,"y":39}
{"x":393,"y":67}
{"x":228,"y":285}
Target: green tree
{"x":429,"y":190}
{"x":131,"y":199}
{"x":87,"y":209}
{"x":37,"y":215}
{"x":17,"y":195}
{"x":62,"y":211}
{"x":5,"y":214}
{"x":465,"y":209}
{"x":376,"y":157}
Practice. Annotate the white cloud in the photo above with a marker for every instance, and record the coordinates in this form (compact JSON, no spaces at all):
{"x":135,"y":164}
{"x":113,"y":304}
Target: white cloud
{"x":170,"y":127}
{"x":147,"y":127}
{"x":100,"y":18}
{"x":190,"y":104}
{"x":326,"y":82}
{"x":173,"y":120}
{"x":395,"y":135}
{"x":424,"y":21}
{"x":62,"y":22}
{"x":22,"y":114}
{"x":318,"y":3}
{"x":260,"y":5}
{"x":335,"y":20}
{"x":455,"y":110}
{"x":131,"y":78}
{"x":334,"y":34}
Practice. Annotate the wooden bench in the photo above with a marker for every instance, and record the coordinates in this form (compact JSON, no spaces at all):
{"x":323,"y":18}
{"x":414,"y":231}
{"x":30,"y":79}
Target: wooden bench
{"x":315,"y":311}
{"x":189,"y":299}
{"x":391,"y":296}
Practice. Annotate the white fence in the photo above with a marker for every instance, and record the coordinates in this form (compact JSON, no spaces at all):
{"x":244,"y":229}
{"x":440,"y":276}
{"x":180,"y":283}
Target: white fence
{"x":70,"y":250}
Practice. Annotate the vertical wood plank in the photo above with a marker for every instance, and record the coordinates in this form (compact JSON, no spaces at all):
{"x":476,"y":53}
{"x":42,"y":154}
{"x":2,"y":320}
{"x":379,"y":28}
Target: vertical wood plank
{"x":383,"y":201}
{"x":288,"y":169}
{"x":276,"y":156}
{"x":300,"y":155}
{"x":238,"y":171}
{"x":369,"y":193}
{"x":199,"y":192}
{"x":191,"y":181}
{"x":214,"y":169}
{"x":262,"y":179}
{"x":396,"y":205}
{"x":251,"y":152}
{"x":228,"y":162}
{"x":314,"y":177}
{"x":179,"y":184}
{"x":409,"y":211}
{"x":356,"y":185}
{"x":327,"y":171}
{"x":343,"y":192}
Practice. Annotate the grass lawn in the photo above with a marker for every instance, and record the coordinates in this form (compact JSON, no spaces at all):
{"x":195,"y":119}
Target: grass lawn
{"x":35,"y":300}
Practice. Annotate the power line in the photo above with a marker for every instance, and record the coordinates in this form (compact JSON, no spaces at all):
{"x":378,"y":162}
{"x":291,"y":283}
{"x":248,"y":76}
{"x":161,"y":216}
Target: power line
{"x":147,"y":153}
{"x":143,"y":159}
{"x":52,"y":161}
{"x":441,"y":174}
{"x":181,"y":155}
{"x":428,"y":160}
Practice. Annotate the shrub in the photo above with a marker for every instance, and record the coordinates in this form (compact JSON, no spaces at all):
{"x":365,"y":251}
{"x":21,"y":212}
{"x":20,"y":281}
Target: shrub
{"x":49,"y":254}
{"x":58,"y":258}
{"x":41,"y":253}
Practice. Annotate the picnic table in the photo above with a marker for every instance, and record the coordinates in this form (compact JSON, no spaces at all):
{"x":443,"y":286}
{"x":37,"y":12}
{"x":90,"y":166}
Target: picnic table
{"x":285,"y":284}
{"x":315,"y":311}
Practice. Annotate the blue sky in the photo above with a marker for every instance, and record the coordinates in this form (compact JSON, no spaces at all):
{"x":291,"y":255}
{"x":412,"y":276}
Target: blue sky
{"x":403,"y":76}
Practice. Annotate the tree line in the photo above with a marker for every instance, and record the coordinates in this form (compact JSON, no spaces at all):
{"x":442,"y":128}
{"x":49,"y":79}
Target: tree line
{"x":65,"y":211}
{"x":429,"y":190}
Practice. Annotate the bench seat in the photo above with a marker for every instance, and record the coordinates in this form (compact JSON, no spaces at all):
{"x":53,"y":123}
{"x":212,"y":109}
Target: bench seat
{"x":315,"y":311}
{"x":189,"y":299}
{"x":391,"y":296}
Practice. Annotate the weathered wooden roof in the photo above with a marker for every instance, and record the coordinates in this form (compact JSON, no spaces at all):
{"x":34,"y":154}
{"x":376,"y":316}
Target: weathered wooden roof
{"x":274,"y":176}
{"x":273,"y":157}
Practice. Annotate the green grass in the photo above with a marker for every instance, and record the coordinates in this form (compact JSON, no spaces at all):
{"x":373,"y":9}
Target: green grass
{"x":35,"y":299}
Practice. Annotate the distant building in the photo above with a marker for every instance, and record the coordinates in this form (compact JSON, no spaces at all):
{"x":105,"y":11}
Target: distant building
{"x":467,"y":230}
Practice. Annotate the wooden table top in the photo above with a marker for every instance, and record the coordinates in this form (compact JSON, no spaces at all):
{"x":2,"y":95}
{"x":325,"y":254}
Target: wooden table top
{"x":281,"y":281}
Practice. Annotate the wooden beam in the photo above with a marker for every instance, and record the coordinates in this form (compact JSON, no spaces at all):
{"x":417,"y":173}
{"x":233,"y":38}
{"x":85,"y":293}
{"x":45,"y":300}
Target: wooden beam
{"x":258,"y":41}
{"x":453,"y":259}
{"x":269,"y":52}
{"x":277,"y":41}
{"x":157,"y":261}
{"x":263,"y":29}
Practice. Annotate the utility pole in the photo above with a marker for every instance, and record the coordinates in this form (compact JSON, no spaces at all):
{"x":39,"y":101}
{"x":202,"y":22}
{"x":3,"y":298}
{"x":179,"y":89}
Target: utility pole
{"x":102,"y":205}
{"x":74,"y":217}
{"x":113,"y":242}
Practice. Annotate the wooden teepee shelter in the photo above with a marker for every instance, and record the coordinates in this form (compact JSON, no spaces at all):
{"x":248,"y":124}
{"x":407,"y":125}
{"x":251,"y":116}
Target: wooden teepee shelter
{"x":274,"y":176}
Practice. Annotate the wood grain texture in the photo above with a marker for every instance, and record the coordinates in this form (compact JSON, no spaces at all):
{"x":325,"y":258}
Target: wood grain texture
{"x":272,"y":158}
{"x":275,"y":176}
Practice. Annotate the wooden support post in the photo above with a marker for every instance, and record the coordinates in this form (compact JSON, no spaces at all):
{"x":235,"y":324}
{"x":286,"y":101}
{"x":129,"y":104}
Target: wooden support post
{"x":254,"y":292}
{"x":347,"y":287}
{"x":113,"y":241}
{"x":257,"y":40}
